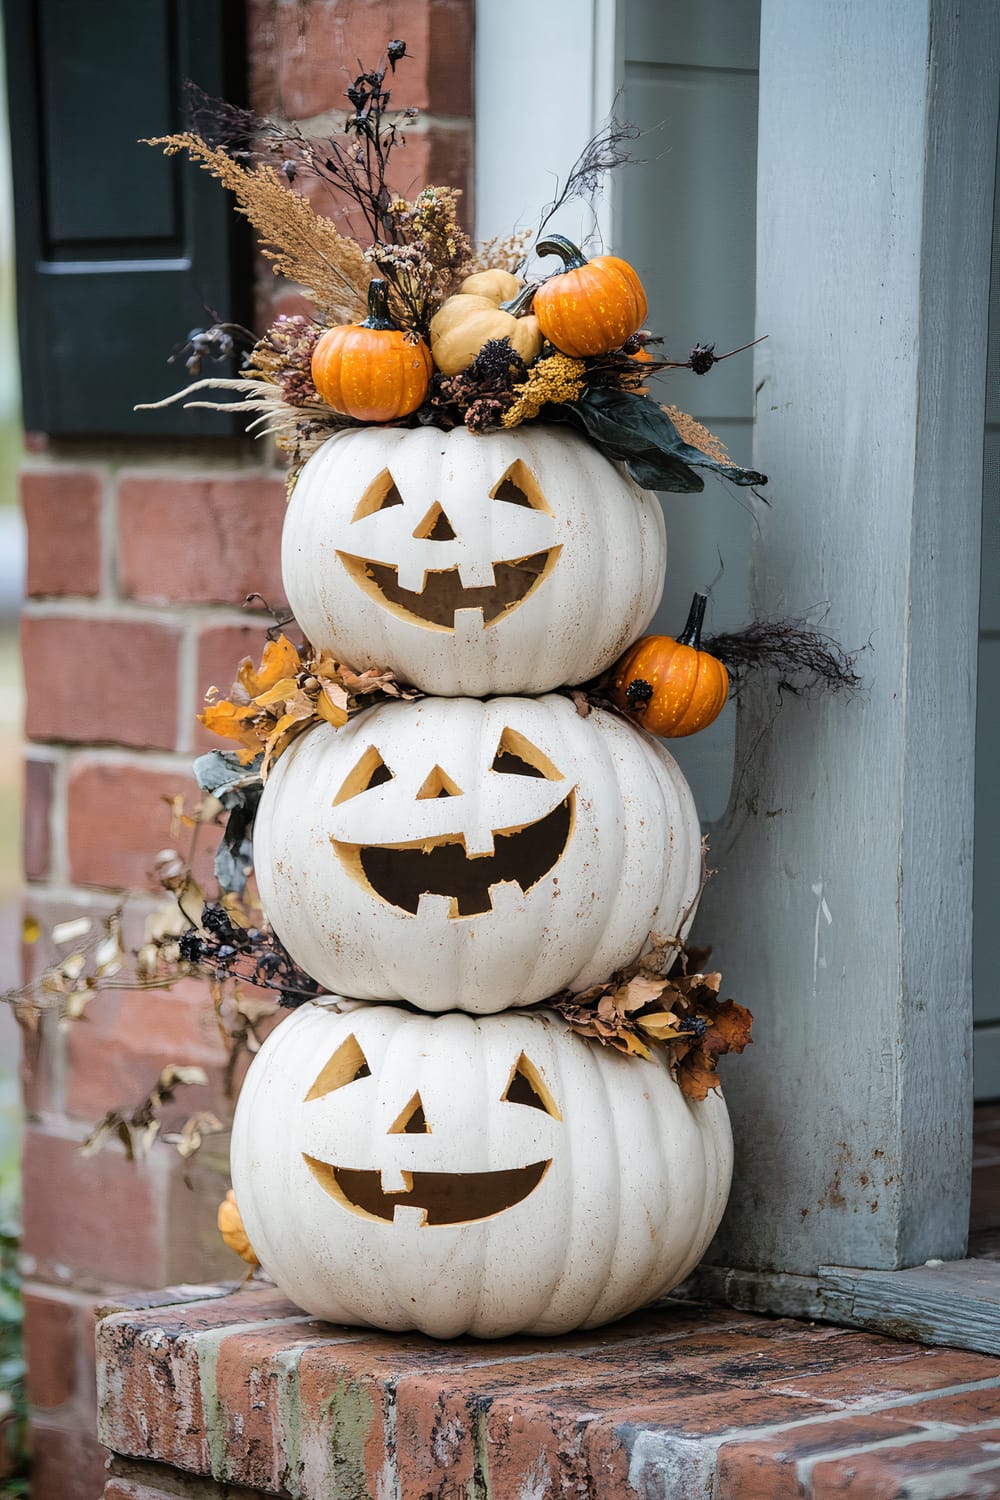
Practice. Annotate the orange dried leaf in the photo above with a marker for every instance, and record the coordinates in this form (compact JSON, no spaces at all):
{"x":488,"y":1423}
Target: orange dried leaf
{"x":284,"y":688}
{"x":280,"y":659}
{"x":660,"y":1024}
{"x":729,"y":1031}
{"x":233,"y":722}
{"x":638,"y":992}
{"x":328,"y":708}
{"x":696,"y":1077}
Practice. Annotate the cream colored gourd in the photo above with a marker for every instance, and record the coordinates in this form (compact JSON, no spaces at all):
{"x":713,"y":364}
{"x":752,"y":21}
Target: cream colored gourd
{"x":506,"y":563}
{"x":473,"y":316}
{"x":471,"y":855}
{"x":456,"y":1175}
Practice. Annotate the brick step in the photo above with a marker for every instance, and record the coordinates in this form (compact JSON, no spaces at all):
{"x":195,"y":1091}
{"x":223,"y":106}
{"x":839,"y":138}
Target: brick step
{"x":241,"y":1388}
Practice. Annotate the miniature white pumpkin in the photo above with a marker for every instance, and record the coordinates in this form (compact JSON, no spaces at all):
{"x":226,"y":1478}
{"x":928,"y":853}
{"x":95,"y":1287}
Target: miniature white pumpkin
{"x":467,"y":855}
{"x":512,"y":562}
{"x":457,"y":1175}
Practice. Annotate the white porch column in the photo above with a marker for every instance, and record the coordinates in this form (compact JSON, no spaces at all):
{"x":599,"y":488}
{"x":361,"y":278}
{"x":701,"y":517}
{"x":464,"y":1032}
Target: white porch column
{"x":841,"y":913}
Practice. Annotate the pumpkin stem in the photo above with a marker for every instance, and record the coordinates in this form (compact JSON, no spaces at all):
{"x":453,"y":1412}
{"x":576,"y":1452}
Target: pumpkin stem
{"x":520,"y":304}
{"x":378,"y":306}
{"x":557,"y":244}
{"x":691,"y":634}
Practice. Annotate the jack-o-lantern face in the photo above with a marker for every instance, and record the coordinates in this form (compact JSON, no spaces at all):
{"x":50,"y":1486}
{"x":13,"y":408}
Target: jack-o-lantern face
{"x":512,"y":562}
{"x":468,"y":855}
{"x":427,"y":574}
{"x":431,"y":1197}
{"x":443,"y":855}
{"x":470,"y":1175}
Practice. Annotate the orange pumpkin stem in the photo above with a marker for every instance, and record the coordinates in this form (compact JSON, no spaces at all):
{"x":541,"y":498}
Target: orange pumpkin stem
{"x":691,"y":634}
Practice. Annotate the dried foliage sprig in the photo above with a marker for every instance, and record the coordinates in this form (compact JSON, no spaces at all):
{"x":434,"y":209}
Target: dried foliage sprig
{"x":418,"y":247}
{"x":656,"y":1003}
{"x":137,"y":1128}
{"x":603,"y":153}
{"x":224,"y":950}
{"x":269,"y":705}
{"x":299,"y":243}
{"x":805,"y":661}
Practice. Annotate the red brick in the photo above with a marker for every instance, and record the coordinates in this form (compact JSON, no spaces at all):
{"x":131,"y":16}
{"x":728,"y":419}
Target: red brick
{"x":896,"y":1473}
{"x":35,"y":826}
{"x":100,"y":1216}
{"x":129,"y":1036}
{"x":193,"y":1248}
{"x":262,"y":61}
{"x":439,"y":156}
{"x":888,"y":1369}
{"x":451,"y":57}
{"x":442,"y":157}
{"x":320,"y":46}
{"x":50,"y":1347}
{"x":66,"y":1464}
{"x":149,"y":1382}
{"x":100,"y":681}
{"x":62,"y":513}
{"x":221,"y":648}
{"x":200,"y":539}
{"x":118,"y":821}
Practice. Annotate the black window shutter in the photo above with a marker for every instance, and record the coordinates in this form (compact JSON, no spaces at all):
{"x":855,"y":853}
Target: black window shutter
{"x":120,"y":251}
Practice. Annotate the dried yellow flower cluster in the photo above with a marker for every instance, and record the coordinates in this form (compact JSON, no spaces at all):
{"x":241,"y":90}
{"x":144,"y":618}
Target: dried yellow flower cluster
{"x":698,"y":436}
{"x":555,"y":378}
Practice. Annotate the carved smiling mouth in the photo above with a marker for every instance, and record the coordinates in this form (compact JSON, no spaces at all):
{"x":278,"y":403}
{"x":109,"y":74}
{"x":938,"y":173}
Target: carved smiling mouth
{"x":442,"y":1197}
{"x":401,"y":874}
{"x":443,"y":594}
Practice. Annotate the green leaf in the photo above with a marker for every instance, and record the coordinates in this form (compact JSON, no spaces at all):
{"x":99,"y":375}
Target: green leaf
{"x":632,"y":430}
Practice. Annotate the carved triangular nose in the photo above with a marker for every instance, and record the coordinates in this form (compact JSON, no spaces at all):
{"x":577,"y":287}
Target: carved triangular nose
{"x":435,"y":527}
{"x":411,"y":1120}
{"x":438,"y":784}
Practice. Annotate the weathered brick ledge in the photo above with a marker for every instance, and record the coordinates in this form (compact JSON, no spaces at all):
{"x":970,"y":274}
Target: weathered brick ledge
{"x":242,"y":1389}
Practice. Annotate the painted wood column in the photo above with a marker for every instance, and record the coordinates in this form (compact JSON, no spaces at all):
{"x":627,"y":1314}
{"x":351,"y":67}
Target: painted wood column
{"x":842,"y":909}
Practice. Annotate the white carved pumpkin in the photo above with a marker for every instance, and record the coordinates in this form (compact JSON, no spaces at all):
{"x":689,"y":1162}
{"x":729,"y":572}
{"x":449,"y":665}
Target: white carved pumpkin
{"x":458,"y":1175}
{"x":467,"y":855}
{"x":513,"y":562}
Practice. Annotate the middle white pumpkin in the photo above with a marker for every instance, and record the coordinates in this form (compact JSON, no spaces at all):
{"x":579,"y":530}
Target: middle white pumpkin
{"x":466,"y":855}
{"x":505,"y":563}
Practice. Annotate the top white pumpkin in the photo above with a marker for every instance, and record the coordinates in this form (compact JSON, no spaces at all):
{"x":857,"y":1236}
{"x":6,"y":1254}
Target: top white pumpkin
{"x":472,"y":564}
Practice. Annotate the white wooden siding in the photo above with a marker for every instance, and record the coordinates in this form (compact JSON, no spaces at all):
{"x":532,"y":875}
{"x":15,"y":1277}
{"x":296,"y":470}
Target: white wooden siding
{"x":986,"y":928}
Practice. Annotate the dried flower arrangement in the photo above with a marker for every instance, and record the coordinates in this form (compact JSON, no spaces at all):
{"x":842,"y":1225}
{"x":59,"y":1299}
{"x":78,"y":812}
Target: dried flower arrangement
{"x":454,"y":334}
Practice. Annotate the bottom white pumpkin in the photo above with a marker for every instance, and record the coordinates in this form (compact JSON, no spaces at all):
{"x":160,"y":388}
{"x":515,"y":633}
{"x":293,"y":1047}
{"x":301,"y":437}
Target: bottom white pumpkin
{"x":458,"y":1174}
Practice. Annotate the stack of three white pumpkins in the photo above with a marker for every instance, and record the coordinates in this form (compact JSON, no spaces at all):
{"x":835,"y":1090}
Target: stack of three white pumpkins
{"x":428,"y":1153}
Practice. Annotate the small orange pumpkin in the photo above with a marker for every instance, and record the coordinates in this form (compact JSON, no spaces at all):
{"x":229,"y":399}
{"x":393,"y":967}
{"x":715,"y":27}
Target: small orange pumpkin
{"x":370,"y":370}
{"x":672,"y":687}
{"x":230,"y":1222}
{"x":591,"y":306}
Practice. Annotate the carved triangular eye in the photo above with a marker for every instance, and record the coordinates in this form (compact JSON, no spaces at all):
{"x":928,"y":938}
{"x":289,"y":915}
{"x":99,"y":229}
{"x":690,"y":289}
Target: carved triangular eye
{"x":517,"y":756}
{"x":347,"y":1065}
{"x":527,"y":1086}
{"x":379,"y":495}
{"x":519,"y":486}
{"x":411,"y":1120}
{"x":435,"y":527}
{"x":438,"y":784}
{"x":370,"y":771}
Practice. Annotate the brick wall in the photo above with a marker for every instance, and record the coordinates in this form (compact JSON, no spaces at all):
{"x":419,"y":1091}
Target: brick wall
{"x":139,"y":558}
